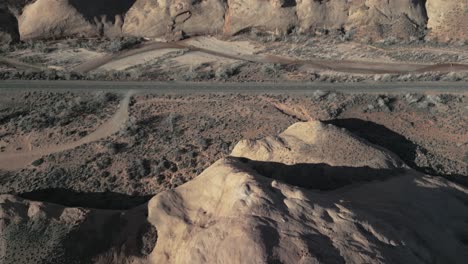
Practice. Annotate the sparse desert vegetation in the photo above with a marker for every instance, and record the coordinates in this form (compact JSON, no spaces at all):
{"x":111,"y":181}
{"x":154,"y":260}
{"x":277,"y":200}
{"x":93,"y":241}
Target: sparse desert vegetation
{"x":228,"y":131}
{"x":169,"y":142}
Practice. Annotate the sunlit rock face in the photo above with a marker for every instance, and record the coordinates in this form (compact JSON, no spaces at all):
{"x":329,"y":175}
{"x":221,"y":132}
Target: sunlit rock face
{"x":280,"y":200}
{"x":163,"y":17}
{"x":370,"y":19}
{"x":69,"y":18}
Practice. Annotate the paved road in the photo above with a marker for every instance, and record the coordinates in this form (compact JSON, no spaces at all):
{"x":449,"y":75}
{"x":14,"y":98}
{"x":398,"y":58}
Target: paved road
{"x":178,"y":87}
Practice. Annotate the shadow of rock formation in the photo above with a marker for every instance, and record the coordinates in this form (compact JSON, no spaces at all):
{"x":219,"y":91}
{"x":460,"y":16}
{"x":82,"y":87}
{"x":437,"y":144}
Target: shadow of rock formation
{"x":319,"y":176}
{"x":91,"y":9}
{"x":71,"y":198}
{"x":407,"y":150}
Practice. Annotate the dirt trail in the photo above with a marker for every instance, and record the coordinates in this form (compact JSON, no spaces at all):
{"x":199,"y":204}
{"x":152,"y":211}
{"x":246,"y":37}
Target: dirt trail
{"x":360,"y":67}
{"x":20,"y":64}
{"x":96,"y":63}
{"x":17,"y":160}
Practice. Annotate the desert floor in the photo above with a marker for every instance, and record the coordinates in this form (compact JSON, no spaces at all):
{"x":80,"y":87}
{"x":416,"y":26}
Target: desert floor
{"x":134,"y":143}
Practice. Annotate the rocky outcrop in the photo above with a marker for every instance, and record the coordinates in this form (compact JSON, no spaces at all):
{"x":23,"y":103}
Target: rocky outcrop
{"x":329,"y":15}
{"x":162,"y":17}
{"x":379,"y":19}
{"x":268,"y":15}
{"x":65,"y":18}
{"x":372,"y":19}
{"x":375,"y":19}
{"x":38,"y":232}
{"x":313,"y":194}
{"x":265,"y":211}
{"x":315,"y":142}
{"x":448,"y":20}
{"x":8,"y":27}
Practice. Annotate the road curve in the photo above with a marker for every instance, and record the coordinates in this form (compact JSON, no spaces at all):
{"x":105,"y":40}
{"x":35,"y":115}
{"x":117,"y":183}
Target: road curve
{"x":346,"y":66}
{"x":16,"y":160}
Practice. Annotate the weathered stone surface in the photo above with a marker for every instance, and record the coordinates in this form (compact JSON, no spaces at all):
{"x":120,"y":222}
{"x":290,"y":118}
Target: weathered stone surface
{"x":377,"y":19}
{"x":448,"y":20}
{"x":64,"y":18}
{"x":268,"y":15}
{"x":361,"y":19}
{"x":266,"y":211}
{"x":162,"y":17}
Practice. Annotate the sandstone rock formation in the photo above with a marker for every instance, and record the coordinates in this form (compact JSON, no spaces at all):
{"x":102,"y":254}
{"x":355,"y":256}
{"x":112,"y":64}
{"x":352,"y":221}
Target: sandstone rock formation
{"x":63,"y":18}
{"x":246,"y":211}
{"x":448,"y":20}
{"x":315,"y":142}
{"x":313,"y":194}
{"x":381,"y":19}
{"x":270,"y":15}
{"x":158,"y":18}
{"x":373,"y":19}
{"x":330,"y":15}
{"x":37,"y":232}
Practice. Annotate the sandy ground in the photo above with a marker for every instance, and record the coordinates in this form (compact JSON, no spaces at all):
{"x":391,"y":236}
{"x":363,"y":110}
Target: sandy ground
{"x":155,"y":149}
{"x":245,"y":51}
{"x":138,"y":59}
{"x":158,"y":163}
{"x":288,"y":59}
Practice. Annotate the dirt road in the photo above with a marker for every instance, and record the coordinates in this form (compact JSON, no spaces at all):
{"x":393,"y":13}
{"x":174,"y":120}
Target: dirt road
{"x":222,"y":50}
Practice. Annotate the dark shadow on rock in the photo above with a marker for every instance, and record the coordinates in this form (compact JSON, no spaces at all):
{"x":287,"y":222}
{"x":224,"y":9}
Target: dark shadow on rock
{"x":322,"y":248}
{"x":319,"y":176}
{"x":422,"y":3}
{"x":289,"y":3}
{"x":382,"y":136}
{"x":71,"y":198}
{"x":91,"y":9}
{"x":8,"y":26}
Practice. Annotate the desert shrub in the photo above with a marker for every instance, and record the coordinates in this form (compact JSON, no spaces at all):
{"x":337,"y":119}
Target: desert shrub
{"x":105,"y":97}
{"x":138,"y":169}
{"x":389,"y":41}
{"x":271,"y":69}
{"x":226,"y":71}
{"x":34,"y":59}
{"x":34,"y":45}
{"x":196,"y":74}
{"x":117,"y":45}
{"x":5,"y":48}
